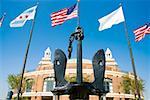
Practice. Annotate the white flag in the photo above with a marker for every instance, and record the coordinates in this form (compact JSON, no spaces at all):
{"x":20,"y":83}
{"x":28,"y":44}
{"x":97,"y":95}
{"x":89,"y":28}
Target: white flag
{"x":111,"y":19}
{"x":23,"y":17}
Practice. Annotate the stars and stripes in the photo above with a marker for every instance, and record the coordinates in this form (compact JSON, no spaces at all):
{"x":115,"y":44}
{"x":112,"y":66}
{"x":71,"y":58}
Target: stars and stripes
{"x":141,"y":32}
{"x":61,"y":16}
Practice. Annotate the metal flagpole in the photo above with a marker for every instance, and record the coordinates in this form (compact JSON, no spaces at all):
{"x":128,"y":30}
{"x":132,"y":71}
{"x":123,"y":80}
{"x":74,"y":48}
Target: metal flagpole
{"x":78,"y":19}
{"x":132,"y":60}
{"x":3,"y":18}
{"x":26,"y":55}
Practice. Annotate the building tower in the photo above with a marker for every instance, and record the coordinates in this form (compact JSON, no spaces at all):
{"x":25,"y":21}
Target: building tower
{"x":108,"y":54}
{"x":47,"y":57}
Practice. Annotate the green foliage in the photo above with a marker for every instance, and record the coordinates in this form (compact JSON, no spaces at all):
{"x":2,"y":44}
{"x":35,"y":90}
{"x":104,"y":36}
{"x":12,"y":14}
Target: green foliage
{"x":128,"y":85}
{"x":14,"y":81}
{"x":22,"y":98}
{"x":72,"y":78}
{"x":86,"y":78}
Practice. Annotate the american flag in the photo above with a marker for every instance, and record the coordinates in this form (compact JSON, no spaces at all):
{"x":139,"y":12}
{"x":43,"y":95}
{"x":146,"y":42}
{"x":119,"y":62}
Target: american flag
{"x":61,"y":16}
{"x":141,"y":32}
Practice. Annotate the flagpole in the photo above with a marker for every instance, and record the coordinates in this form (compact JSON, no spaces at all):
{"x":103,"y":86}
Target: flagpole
{"x":78,"y":19}
{"x":3,"y":18}
{"x":26,"y":55}
{"x":132,"y":60}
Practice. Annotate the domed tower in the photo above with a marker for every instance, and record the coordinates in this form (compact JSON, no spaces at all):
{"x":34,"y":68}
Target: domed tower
{"x":111,"y":64}
{"x":47,"y":54}
{"x":46,"y":63}
{"x":108,"y":54}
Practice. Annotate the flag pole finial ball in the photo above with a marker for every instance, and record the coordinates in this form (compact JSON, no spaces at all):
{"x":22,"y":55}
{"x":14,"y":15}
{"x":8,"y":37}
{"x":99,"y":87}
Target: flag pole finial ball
{"x":37,"y":3}
{"x":120,"y":4}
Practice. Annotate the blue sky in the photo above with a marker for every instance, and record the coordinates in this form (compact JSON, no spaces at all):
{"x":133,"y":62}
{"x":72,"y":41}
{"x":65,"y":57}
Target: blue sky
{"x":13,"y":41}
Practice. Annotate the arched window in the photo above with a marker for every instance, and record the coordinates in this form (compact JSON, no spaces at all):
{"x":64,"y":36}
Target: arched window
{"x":49,"y":84}
{"x":29,"y":84}
{"x":108,"y":84}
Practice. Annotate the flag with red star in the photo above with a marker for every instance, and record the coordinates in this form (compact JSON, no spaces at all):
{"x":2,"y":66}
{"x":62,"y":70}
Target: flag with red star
{"x":23,"y":17}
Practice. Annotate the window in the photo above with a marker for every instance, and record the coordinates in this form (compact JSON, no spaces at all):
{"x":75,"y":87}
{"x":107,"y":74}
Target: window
{"x":48,"y":84}
{"x":108,"y":85}
{"x":47,"y":98}
{"x":29,"y":84}
{"x":109,"y":98}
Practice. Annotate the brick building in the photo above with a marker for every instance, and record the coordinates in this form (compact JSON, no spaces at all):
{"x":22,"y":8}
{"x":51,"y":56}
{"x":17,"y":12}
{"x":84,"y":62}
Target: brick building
{"x":42,"y":78}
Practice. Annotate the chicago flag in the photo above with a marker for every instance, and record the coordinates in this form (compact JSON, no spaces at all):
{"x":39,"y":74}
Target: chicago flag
{"x":23,"y":17}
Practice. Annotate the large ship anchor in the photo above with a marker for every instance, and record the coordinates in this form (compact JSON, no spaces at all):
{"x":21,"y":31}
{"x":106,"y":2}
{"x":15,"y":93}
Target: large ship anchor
{"x":79,"y":90}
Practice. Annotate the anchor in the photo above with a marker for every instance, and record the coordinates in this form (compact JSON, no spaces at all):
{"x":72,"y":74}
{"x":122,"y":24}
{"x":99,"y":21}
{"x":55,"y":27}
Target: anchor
{"x":79,"y":90}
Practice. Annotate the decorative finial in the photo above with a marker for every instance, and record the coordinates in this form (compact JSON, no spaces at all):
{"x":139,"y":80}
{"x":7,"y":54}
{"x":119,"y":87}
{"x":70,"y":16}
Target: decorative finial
{"x":37,"y":3}
{"x":4,"y":13}
{"x":120,"y":4}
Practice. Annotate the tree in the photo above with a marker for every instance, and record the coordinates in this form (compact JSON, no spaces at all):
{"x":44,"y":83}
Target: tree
{"x":72,"y":78}
{"x":128,"y":85}
{"x":14,"y":82}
